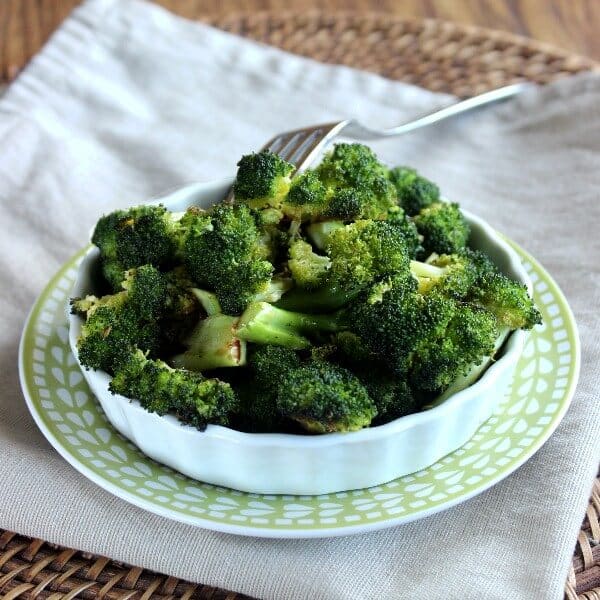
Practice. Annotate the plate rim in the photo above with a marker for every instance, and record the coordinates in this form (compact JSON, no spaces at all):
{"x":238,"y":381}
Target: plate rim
{"x":285,"y":532}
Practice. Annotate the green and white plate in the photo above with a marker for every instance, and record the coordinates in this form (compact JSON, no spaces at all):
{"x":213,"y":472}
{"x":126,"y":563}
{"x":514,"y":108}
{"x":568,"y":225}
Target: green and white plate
{"x":73,"y":422}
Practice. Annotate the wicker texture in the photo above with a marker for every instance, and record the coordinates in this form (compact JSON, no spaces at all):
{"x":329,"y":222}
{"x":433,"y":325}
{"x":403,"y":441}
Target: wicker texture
{"x":437,"y":55}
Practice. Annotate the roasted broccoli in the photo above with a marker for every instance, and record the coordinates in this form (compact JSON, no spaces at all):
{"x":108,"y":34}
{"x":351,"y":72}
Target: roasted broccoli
{"x":414,"y":192}
{"x":263,"y":180}
{"x":225,"y":252}
{"x":131,"y":238}
{"x":360,"y":253}
{"x":118,"y":323}
{"x":340,"y":297}
{"x":320,"y":396}
{"x":350,"y":183}
{"x":443,"y":227}
{"x":161,"y":389}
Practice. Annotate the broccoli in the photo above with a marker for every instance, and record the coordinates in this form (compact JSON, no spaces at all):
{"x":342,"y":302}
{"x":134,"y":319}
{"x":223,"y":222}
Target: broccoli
{"x":360,"y":253}
{"x":263,"y":180}
{"x":393,"y":320}
{"x":117,"y":323}
{"x":350,"y":183}
{"x":397,"y":217}
{"x":443,"y":227}
{"x":320,"y":396}
{"x":263,"y":323}
{"x":469,"y":337}
{"x":452,"y":275}
{"x":392,"y":395}
{"x":131,"y":238}
{"x":307,"y":199}
{"x":323,"y":398}
{"x":224,"y":252}
{"x":308,"y":269}
{"x":258,"y":396}
{"x":413,"y":190}
{"x":194,"y":399}
{"x":508,"y":300}
{"x":361,"y":184}
{"x":213,"y":342}
{"x":181,"y":310}
{"x":470,"y":276}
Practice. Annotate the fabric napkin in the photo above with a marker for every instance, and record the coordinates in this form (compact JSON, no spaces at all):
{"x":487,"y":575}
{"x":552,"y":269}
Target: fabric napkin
{"x":127,"y":101}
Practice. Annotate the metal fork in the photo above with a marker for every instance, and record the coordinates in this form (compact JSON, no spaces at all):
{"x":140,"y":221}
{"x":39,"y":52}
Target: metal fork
{"x":301,"y":146}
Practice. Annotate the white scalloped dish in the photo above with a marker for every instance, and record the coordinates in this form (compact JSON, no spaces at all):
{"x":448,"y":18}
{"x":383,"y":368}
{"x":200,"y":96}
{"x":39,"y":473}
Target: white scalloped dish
{"x":300,"y":464}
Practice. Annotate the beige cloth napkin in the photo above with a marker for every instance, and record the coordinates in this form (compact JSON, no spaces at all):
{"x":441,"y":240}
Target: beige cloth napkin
{"x":127,"y":101}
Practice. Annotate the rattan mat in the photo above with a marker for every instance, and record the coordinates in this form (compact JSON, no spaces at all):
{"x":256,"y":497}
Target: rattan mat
{"x":437,"y":55}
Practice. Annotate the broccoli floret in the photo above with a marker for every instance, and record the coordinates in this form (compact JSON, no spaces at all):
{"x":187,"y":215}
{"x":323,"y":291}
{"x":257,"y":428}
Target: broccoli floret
{"x":392,"y":395}
{"x":117,"y":323}
{"x":359,"y":183}
{"x":131,"y":238}
{"x":470,"y":276}
{"x":308,"y":269}
{"x":443,"y":227}
{"x":258,"y":394}
{"x":307,"y":199}
{"x":508,"y":300}
{"x":413,"y":190}
{"x":360,"y":253}
{"x":161,"y":389}
{"x":365,"y":251}
{"x":263,"y":179}
{"x":469,"y":337}
{"x":397,"y":218}
{"x":263,"y":323}
{"x":213,"y":342}
{"x":393,"y":320}
{"x":452,"y":275}
{"x":224,"y":252}
{"x":323,"y":398}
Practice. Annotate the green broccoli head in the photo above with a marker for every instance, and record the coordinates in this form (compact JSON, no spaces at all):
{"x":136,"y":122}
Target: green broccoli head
{"x":117,"y":323}
{"x":323,"y":398}
{"x":194,"y":399}
{"x":392,"y":319}
{"x":365,"y":251}
{"x":138,"y":236}
{"x":308,"y":269}
{"x":358,"y":183}
{"x":414,"y":192}
{"x":397,"y":217}
{"x":224,"y":251}
{"x":392,"y":395}
{"x":443,"y":227}
{"x":307,"y":199}
{"x":507,"y":299}
{"x":263,"y":179}
{"x":467,"y":340}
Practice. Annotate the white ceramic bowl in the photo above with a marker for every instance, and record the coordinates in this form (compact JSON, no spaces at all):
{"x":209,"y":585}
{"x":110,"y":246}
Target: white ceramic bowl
{"x":295,"y":464}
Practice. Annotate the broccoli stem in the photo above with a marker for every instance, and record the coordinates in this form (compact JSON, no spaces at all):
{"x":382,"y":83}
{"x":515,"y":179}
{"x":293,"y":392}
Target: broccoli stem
{"x":427,"y":275}
{"x":475,"y":372}
{"x":325,"y":299}
{"x":319,"y":232}
{"x":209,"y":302}
{"x":213,"y":344}
{"x":263,"y":323}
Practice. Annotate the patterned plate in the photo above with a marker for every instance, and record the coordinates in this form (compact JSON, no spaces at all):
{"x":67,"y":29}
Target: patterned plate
{"x":75,"y":425}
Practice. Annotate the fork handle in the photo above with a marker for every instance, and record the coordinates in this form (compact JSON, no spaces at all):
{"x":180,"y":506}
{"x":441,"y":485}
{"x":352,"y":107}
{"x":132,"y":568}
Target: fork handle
{"x":357,"y":131}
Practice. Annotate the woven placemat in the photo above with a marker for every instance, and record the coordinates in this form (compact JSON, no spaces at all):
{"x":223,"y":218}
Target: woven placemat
{"x":437,"y":55}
